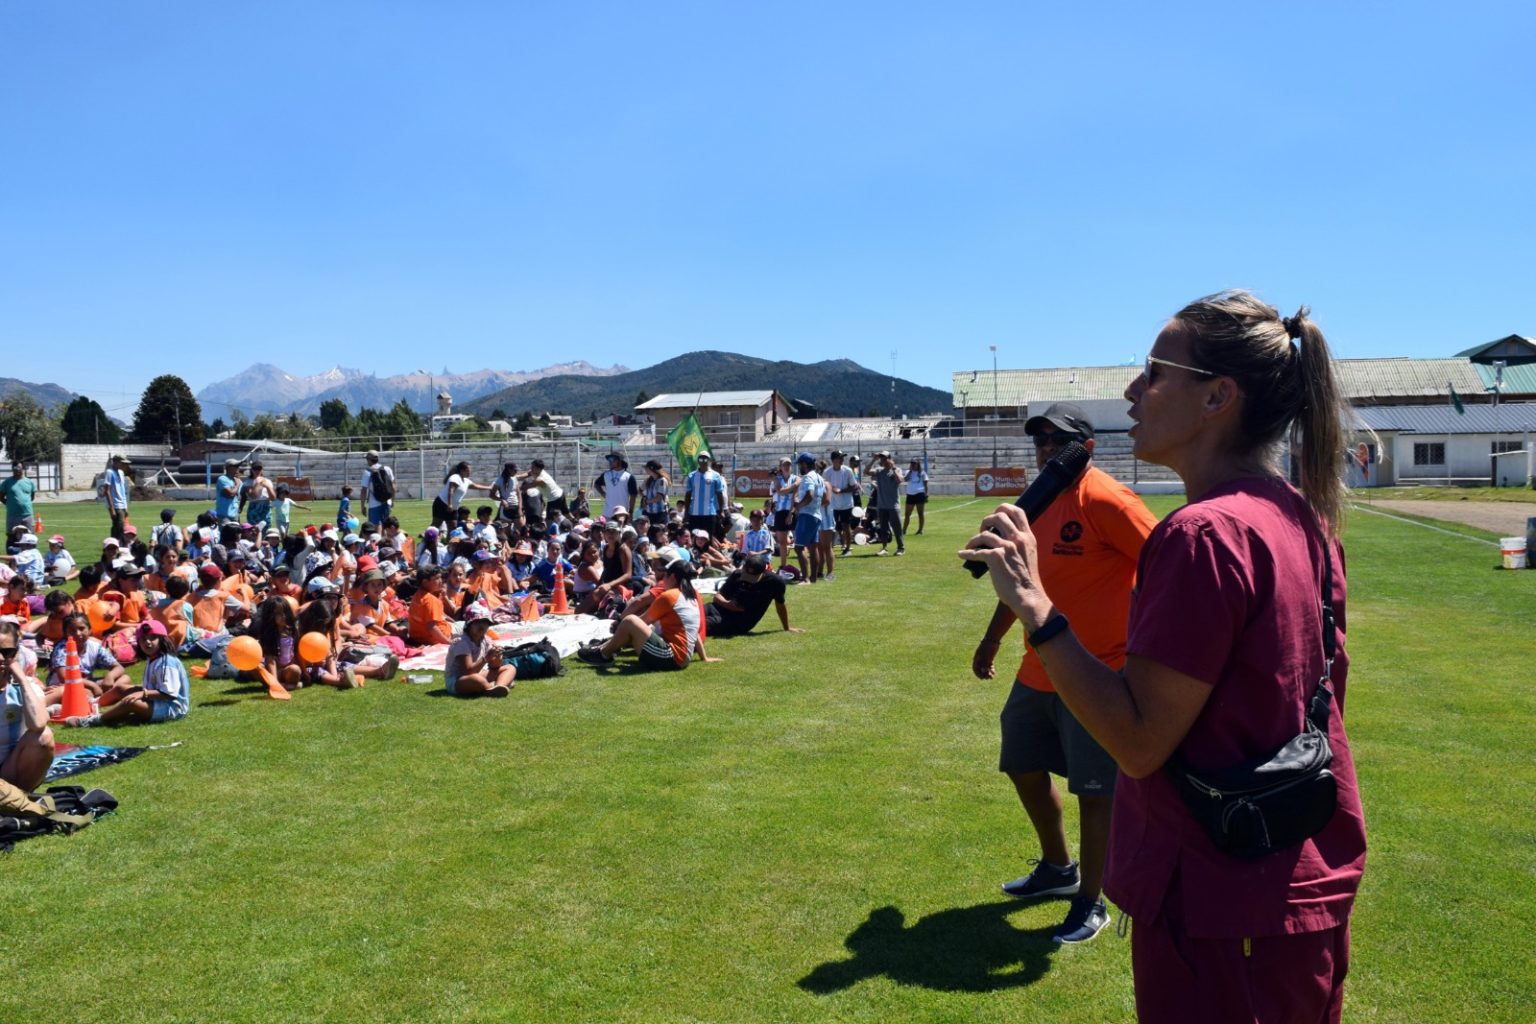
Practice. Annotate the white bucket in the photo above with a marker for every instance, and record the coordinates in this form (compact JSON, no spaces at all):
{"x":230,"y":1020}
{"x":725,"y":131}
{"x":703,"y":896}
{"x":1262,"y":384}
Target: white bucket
{"x":1513,"y":550}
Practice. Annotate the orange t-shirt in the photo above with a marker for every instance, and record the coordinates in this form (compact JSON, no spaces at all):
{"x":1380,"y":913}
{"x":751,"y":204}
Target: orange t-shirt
{"x":426,"y":611}
{"x":208,"y":611}
{"x":679,"y":620}
{"x":135,"y":608}
{"x":1089,"y":540}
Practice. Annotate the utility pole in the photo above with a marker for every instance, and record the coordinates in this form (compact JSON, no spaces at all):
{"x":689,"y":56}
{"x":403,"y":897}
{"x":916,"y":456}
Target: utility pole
{"x":997,"y":409}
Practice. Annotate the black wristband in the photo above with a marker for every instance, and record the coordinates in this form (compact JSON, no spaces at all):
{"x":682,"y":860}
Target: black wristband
{"x":1055,"y":624}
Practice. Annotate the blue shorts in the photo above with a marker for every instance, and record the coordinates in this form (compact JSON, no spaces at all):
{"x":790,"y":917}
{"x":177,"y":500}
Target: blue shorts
{"x":165,"y":711}
{"x":451,"y":684}
{"x":377,"y":514}
{"x":807,"y":531}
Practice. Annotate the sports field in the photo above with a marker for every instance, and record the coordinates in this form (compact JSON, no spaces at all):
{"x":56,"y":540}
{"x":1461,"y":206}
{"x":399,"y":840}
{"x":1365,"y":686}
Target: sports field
{"x":812,"y":830}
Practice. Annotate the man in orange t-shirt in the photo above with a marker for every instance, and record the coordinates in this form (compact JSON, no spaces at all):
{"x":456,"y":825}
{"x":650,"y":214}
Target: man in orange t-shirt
{"x":1089,"y":539}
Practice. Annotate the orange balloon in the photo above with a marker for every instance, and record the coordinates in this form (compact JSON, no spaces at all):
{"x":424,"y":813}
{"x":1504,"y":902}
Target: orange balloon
{"x":314,"y":647}
{"x":244,"y":652}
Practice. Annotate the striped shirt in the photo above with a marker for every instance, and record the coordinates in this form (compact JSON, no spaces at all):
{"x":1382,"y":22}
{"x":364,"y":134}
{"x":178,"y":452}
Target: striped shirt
{"x":754,"y":541}
{"x":783,"y":502}
{"x":706,"y":493}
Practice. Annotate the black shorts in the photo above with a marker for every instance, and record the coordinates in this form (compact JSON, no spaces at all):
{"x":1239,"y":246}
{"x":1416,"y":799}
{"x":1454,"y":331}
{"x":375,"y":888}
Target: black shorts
{"x":709,"y":524}
{"x":1040,"y":735}
{"x":656,"y":655}
{"x":917,"y":499}
{"x":783,"y":520}
{"x":842,"y":518}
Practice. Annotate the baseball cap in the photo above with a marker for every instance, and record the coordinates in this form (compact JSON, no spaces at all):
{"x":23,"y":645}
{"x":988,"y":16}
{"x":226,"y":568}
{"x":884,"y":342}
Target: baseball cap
{"x":57,"y":538}
{"x":320,"y":585}
{"x":152,"y":627}
{"x":211,"y":572}
{"x":372,"y":454}
{"x":1062,"y":416}
{"x":838,"y":453}
{"x":111,"y":542}
{"x":805,"y":458}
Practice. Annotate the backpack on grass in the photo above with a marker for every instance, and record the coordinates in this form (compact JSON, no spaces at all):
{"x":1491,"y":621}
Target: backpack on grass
{"x":537,"y":660}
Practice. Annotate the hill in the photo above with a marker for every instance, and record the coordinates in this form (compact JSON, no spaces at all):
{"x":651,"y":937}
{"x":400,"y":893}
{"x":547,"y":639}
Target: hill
{"x":267,"y":388}
{"x":838,"y":387}
{"x":46,"y":395}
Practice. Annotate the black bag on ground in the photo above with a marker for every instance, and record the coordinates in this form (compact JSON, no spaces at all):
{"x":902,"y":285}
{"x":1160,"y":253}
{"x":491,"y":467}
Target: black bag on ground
{"x":64,"y":809}
{"x":1277,"y":800}
{"x":537,"y":660}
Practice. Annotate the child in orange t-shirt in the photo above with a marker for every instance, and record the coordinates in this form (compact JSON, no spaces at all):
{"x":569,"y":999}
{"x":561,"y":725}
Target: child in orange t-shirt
{"x":428,"y":622}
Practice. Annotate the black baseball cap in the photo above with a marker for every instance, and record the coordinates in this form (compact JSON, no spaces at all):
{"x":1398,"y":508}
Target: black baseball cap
{"x":1062,"y":416}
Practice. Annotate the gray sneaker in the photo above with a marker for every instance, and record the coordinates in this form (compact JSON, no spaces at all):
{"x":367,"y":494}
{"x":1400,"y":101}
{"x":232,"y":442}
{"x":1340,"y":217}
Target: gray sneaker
{"x":1086,"y":919}
{"x":1045,"y":881}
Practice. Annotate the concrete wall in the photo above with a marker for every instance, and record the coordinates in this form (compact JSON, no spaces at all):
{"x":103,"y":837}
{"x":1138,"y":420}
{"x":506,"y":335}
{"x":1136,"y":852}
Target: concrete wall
{"x":79,"y":464}
{"x":1467,"y":458}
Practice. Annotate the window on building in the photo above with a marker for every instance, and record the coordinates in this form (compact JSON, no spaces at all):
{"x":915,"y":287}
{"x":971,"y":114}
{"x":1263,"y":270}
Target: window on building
{"x":1430,"y":453}
{"x":728,"y":419}
{"x":1500,"y":447}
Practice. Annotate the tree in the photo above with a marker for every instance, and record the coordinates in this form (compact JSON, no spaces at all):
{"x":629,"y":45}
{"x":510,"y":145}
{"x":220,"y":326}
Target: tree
{"x":499,"y":414}
{"x":643,"y":397}
{"x":168,"y":413}
{"x":28,"y":432}
{"x":333,"y":414}
{"x":216,"y":428}
{"x":524,"y":421}
{"x":85,"y":422}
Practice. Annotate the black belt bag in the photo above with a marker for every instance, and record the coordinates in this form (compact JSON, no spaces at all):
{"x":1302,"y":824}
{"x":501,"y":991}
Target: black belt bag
{"x":1281,"y":799}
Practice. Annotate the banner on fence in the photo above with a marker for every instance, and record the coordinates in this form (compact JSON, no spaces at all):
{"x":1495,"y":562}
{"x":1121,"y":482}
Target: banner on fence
{"x":1001,"y":481}
{"x":300,"y":488}
{"x":752,"y":483}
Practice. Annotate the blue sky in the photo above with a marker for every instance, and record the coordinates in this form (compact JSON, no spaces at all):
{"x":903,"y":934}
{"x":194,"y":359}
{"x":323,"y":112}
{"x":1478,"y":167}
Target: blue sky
{"x":195,"y":187}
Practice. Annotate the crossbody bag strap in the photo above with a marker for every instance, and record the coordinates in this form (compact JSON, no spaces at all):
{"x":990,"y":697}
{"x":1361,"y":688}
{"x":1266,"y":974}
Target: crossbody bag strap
{"x":1318,"y":707}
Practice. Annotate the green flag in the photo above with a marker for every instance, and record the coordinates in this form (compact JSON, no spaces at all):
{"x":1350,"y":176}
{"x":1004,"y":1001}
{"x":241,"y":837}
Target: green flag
{"x":687,"y":442}
{"x":1461,"y":410}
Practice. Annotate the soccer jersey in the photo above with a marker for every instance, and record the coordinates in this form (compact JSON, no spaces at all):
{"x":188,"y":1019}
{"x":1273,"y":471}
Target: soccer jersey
{"x":706,"y":493}
{"x":754,"y":541}
{"x":167,"y":675}
{"x":95,"y":658}
{"x":783,"y":502}
{"x":811,"y":486}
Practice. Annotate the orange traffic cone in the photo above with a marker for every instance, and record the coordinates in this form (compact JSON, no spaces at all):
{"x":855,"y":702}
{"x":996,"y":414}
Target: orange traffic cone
{"x":37,"y":523}
{"x":560,"y":606}
{"x":76,"y":701}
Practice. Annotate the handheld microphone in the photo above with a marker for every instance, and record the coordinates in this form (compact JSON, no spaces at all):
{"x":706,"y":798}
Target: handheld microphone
{"x":1056,"y":476}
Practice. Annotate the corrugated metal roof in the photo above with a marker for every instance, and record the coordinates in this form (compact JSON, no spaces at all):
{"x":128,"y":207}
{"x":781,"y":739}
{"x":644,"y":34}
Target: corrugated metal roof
{"x":1406,"y":378}
{"x":1359,"y":379}
{"x":708,"y":399}
{"x":1518,"y":380}
{"x":1021,"y":387}
{"x":1443,"y":419}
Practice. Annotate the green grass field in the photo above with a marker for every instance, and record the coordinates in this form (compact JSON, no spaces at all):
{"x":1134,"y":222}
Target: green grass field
{"x":812,"y":830}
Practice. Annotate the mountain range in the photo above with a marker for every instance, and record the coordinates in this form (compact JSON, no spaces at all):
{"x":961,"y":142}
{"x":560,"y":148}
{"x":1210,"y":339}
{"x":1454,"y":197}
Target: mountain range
{"x":838,"y":387}
{"x":267,"y":388}
{"x":46,"y":395}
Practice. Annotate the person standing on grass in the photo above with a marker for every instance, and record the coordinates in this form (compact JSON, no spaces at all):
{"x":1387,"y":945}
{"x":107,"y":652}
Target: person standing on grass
{"x":807,"y":513}
{"x":706,"y":497}
{"x":841,"y":483}
{"x":1225,"y":650}
{"x":378,"y":489}
{"x":18,"y":492}
{"x":114,"y":488}
{"x":226,"y":493}
{"x":917,"y":496}
{"x":258,"y":497}
{"x":784,"y":484}
{"x":887,"y":489}
{"x":1096,"y":528}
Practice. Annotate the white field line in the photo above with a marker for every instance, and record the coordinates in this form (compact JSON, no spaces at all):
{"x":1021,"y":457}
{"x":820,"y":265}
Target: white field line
{"x":1414,"y":522}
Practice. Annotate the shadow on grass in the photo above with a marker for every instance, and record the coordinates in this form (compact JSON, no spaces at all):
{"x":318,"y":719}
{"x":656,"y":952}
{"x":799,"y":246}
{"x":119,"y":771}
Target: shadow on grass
{"x":966,"y":949}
